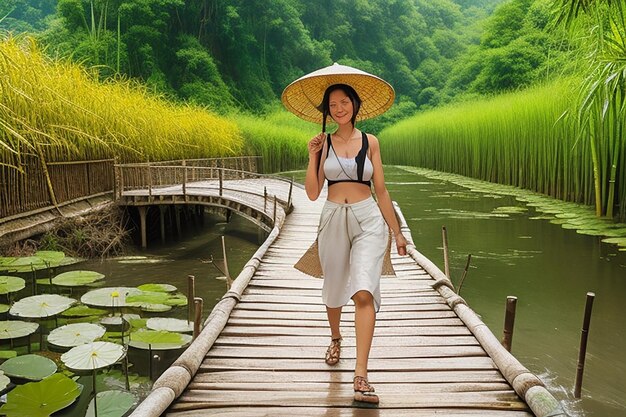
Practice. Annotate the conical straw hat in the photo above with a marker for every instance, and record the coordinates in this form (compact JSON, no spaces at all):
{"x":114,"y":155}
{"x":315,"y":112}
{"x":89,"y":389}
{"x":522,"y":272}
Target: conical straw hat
{"x":304,"y":96}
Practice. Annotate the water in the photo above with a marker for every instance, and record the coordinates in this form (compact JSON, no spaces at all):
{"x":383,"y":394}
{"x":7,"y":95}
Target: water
{"x":549,"y":269}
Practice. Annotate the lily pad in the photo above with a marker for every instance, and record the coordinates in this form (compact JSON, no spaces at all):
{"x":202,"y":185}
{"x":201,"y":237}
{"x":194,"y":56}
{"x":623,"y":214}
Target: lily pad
{"x":109,"y":296}
{"x":77,"y":278}
{"x":4,"y":308}
{"x":4,"y":381}
{"x":158,"y":339}
{"x":156,"y":301}
{"x":75,"y":334}
{"x":41,"y":399}
{"x":31,"y":367}
{"x":111,"y":404}
{"x":83,"y":311}
{"x":7,"y":354}
{"x":92,"y":356}
{"x":9,"y":284}
{"x":38,"y":306}
{"x":12,"y":329}
{"x":157,"y":287}
{"x":169,"y":324}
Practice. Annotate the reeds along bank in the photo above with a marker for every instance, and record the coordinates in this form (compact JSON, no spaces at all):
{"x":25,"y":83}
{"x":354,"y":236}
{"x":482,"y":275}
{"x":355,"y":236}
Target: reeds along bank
{"x":529,"y":139}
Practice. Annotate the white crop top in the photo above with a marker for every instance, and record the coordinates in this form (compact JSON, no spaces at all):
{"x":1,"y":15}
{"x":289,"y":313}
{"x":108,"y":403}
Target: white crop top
{"x":358,"y":169}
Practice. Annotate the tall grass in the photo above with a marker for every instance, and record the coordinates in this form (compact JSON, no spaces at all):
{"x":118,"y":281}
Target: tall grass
{"x":519,"y":139}
{"x":58,"y":111}
{"x":279,"y":137}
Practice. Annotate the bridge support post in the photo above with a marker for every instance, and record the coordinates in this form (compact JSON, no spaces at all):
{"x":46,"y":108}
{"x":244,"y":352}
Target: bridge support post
{"x":191,"y":295}
{"x":179,"y":228}
{"x":142,"y":221}
{"x":583,"y":345}
{"x":446,"y":263}
{"x":197,"y":321}
{"x":509,"y":322}
{"x":162,"y":211}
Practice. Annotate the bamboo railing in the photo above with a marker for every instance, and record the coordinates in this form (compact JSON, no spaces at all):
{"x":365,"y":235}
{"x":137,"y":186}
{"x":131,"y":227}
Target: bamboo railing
{"x":38,"y":185}
{"x":158,"y":175}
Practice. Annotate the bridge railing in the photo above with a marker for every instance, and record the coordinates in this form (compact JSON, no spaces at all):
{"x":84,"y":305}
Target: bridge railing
{"x":151,"y":177}
{"x":37,"y":186}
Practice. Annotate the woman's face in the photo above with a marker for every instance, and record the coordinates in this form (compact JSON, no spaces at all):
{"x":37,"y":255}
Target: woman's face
{"x":340,"y":106}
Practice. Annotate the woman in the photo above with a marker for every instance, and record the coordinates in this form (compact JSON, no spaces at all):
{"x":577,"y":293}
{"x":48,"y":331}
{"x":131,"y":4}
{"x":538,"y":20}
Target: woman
{"x":353,"y":229}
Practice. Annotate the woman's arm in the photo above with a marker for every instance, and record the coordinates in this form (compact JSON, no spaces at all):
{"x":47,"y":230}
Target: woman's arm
{"x":383,"y":197}
{"x":314,"y":180}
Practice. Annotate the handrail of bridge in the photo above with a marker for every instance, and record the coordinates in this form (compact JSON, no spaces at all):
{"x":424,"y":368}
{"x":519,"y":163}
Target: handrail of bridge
{"x":150,"y":176}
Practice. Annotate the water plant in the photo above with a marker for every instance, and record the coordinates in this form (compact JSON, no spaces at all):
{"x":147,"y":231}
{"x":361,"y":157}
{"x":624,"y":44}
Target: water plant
{"x":31,"y":367}
{"x":77,"y":278}
{"x":75,"y":334}
{"x":41,"y":399}
{"x":110,"y":404}
{"x":41,"y":306}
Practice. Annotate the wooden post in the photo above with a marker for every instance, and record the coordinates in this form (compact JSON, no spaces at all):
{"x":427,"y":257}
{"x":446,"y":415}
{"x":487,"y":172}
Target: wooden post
{"x":191,"y":294}
{"x":116,"y":176}
{"x":446,"y":263}
{"x":509,"y":322}
{"x":583,"y":345}
{"x":142,"y":221}
{"x":149,"y":182}
{"x":226,"y":271}
{"x":264,"y":199}
{"x":150,"y":361}
{"x":274,"y":216}
{"x":162,"y":210}
{"x":184,"y":163}
{"x":467,"y":265}
{"x":179,"y":227}
{"x":221,"y":176}
{"x":289,"y":198}
{"x":197,"y":322}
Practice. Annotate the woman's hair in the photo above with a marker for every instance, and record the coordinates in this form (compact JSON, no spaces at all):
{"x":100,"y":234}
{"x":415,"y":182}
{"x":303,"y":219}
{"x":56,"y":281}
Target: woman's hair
{"x":352,"y":95}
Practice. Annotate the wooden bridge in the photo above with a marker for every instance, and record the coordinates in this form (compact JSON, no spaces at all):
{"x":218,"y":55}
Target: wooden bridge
{"x":261,"y":350}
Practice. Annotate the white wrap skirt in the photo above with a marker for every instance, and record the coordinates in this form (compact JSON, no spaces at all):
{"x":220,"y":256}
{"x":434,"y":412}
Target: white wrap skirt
{"x":352,"y":240}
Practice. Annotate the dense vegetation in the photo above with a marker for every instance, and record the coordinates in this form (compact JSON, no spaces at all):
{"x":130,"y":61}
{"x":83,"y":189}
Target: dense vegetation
{"x":235,"y":57}
{"x":242,"y":54}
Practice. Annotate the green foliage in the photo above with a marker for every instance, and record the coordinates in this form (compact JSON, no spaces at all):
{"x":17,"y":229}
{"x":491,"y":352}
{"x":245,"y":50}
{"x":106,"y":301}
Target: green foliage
{"x":519,"y":48}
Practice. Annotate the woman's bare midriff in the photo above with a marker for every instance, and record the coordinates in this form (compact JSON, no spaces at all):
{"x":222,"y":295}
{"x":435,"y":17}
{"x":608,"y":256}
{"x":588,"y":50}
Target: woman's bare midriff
{"x":348,"y":192}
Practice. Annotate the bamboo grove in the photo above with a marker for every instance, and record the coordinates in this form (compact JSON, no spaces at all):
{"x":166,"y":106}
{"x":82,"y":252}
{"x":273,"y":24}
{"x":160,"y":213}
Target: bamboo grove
{"x":564,"y":139}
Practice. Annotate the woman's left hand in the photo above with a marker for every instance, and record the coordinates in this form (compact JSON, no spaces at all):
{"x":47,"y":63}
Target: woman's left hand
{"x":401,"y":243}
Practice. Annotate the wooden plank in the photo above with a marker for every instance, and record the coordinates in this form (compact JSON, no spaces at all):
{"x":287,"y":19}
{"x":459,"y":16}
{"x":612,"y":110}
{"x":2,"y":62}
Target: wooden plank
{"x":504,"y":400}
{"x":378,"y":377}
{"x":388,"y":296}
{"x":231,"y":330}
{"x":347,"y":317}
{"x":322,"y":341}
{"x":403,"y":365}
{"x":383,"y":389}
{"x":266,"y":306}
{"x":315,"y":299}
{"x":302,"y":322}
{"x":377,"y":352}
{"x":315,"y":411}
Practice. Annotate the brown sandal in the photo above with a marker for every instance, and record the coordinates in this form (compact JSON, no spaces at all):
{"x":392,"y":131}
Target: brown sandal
{"x":333,"y":352}
{"x":363,"y":391}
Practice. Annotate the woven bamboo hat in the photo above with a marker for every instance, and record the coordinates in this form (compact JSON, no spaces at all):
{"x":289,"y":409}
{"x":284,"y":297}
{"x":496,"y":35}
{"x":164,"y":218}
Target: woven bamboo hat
{"x":304,"y":96}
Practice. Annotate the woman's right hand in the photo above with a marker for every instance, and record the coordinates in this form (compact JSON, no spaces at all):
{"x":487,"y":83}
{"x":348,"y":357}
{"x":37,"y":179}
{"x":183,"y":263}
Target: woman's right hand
{"x":316,"y":143}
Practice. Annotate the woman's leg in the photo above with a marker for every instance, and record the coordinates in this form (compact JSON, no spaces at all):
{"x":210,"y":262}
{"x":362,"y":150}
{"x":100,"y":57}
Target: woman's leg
{"x":333,"y":352}
{"x":334,"y":318}
{"x":364,"y":321}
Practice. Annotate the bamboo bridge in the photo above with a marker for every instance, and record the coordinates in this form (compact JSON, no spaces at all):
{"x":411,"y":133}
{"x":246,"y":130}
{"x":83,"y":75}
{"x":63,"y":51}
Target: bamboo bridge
{"x":261,"y":350}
